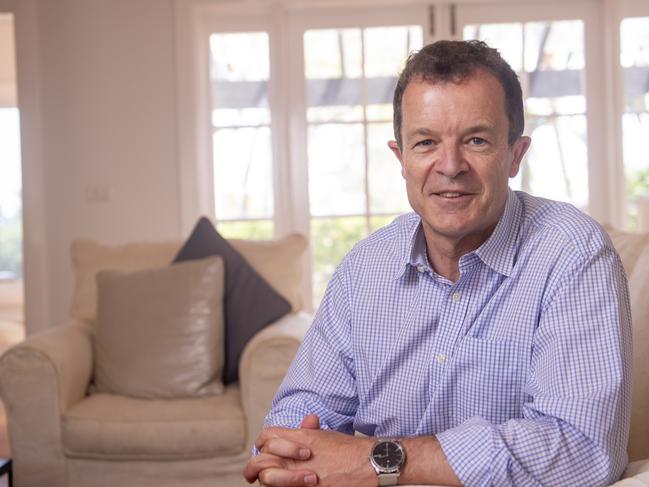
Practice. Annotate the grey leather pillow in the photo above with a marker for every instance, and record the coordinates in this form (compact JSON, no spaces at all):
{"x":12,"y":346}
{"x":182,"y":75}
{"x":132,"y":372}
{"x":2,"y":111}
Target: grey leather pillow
{"x":250,"y":302}
{"x":159,"y":332}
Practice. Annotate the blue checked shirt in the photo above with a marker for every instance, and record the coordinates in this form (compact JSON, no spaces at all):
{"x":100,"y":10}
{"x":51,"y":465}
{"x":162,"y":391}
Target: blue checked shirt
{"x":521,"y":368}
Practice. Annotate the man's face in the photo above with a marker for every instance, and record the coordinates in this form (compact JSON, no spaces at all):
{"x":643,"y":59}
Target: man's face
{"x":455,"y":156}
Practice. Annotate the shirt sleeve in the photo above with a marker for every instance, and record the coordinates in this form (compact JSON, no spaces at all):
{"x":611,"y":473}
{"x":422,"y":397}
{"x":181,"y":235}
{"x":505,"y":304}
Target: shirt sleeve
{"x":575,"y":421}
{"x":321,"y":379}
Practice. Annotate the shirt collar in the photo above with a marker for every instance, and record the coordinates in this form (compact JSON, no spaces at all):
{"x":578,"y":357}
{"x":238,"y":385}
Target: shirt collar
{"x":497,"y":252}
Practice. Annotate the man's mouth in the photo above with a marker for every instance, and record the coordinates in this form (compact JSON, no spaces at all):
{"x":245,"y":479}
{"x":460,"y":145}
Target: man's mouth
{"x":451,"y":194}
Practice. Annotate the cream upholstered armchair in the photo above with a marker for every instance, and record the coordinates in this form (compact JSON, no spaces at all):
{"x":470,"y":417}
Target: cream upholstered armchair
{"x":63,"y":435}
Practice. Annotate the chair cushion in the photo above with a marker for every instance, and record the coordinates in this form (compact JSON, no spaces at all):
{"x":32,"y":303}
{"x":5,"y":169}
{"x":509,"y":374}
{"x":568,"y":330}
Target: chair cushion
{"x":639,"y":291}
{"x":629,"y":245}
{"x":279,"y":262}
{"x":159,"y":332}
{"x":108,"y":426}
{"x":250,"y":302}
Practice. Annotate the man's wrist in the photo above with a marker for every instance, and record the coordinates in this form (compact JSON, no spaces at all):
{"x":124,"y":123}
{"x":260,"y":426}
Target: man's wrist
{"x":427,"y":463}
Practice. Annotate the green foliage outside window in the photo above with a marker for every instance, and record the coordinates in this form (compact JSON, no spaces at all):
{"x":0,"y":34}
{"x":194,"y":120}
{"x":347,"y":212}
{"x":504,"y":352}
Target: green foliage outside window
{"x":11,"y":242}
{"x":248,"y":230}
{"x":637,"y":185}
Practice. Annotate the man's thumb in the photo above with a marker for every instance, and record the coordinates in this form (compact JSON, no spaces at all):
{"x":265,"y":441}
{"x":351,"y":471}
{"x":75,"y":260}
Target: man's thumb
{"x":310,"y":422}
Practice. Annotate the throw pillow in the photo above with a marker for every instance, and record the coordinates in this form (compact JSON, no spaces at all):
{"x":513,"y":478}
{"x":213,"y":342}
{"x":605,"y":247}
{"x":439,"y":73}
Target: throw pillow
{"x":89,"y":257}
{"x":159,"y":332}
{"x":250,"y":302}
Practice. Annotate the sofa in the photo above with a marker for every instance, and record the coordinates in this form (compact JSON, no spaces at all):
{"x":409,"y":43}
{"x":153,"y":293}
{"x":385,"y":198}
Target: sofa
{"x":62,"y":434}
{"x":44,"y":382}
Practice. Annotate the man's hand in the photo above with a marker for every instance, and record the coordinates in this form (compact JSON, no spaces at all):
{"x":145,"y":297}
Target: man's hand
{"x":306,"y":456}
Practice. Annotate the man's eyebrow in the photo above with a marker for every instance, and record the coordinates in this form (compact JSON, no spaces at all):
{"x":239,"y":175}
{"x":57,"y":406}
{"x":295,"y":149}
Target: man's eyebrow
{"x":481,"y":127}
{"x":420,"y":131}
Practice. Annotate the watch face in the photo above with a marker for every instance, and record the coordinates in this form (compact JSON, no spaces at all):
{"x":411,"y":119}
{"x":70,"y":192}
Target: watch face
{"x":388,"y":455}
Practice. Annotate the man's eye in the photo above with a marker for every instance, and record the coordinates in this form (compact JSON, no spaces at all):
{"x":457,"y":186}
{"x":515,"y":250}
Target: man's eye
{"x":424,"y":143}
{"x":477,"y":141}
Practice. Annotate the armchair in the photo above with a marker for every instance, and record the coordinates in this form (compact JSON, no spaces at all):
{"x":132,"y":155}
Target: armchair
{"x":63,"y":436}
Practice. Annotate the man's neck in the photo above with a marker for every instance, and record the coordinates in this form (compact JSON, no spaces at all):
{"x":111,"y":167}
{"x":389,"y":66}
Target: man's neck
{"x":444,"y":252}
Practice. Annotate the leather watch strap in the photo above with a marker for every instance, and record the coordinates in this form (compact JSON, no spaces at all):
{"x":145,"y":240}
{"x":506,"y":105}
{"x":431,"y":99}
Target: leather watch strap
{"x":388,"y":479}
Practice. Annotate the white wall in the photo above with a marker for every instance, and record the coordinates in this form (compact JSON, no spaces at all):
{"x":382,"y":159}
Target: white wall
{"x":96,"y":89}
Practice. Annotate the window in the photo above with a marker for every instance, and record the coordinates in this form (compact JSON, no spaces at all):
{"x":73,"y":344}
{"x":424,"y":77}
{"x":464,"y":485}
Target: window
{"x":549,"y":60}
{"x":241,"y":134}
{"x":11,"y":234}
{"x":11,"y":267}
{"x":354,"y":184}
{"x":634,"y":59}
{"x":300,"y":112}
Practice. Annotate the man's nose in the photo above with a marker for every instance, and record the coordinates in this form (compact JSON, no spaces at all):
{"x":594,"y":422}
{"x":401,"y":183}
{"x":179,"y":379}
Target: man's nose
{"x":451,"y":162}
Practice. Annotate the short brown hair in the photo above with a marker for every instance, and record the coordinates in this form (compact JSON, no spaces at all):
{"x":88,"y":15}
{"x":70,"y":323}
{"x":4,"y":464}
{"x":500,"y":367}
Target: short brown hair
{"x":455,"y":61}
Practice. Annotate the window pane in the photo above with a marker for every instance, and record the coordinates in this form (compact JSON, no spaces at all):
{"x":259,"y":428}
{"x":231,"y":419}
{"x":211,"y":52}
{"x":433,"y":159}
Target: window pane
{"x":239,"y":73}
{"x":250,"y":230}
{"x":242,"y":147}
{"x":350,"y":79}
{"x":634,"y":57}
{"x":243,"y":173}
{"x":242,"y":56}
{"x":386,"y":185}
{"x":554,"y":46}
{"x":507,"y":38}
{"x":336,"y":169}
{"x":331,"y":239}
{"x":332,"y":63}
{"x":386,"y":49}
{"x":549,"y":60}
{"x":556,"y":165}
{"x":10,"y":195}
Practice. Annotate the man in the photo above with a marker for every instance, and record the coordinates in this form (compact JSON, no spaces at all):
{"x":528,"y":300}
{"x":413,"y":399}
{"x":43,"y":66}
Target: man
{"x":488,"y":333}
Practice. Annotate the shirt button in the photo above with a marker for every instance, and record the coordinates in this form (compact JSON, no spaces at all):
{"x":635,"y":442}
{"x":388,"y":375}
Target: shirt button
{"x":421,"y":268}
{"x":441,"y":358}
{"x":456,"y":296}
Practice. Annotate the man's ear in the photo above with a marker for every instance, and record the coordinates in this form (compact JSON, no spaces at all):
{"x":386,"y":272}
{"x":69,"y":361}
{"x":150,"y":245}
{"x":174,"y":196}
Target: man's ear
{"x":519,"y":148}
{"x":394,"y":147}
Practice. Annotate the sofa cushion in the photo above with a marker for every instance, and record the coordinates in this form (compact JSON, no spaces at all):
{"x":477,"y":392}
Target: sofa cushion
{"x":639,"y":291}
{"x":159,"y":332}
{"x":250,"y":302}
{"x":108,"y":426}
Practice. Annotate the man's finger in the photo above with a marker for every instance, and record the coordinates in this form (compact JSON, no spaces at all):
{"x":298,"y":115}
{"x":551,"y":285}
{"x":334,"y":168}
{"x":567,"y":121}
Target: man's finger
{"x":310,"y":422}
{"x":286,"y":448}
{"x":277,"y":477}
{"x":275,"y":432}
{"x":260,"y":462}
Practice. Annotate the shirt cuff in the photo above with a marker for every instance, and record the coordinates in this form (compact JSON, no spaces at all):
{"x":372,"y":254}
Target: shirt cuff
{"x":469,"y":451}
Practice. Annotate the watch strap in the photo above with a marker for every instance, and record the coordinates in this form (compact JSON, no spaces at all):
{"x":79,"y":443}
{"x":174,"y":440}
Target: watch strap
{"x":388,"y":479}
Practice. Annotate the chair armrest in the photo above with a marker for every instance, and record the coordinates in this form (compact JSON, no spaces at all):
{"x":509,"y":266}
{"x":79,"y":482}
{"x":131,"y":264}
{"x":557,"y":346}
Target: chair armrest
{"x":40,"y":379}
{"x":263,"y":365}
{"x":635,"y":475}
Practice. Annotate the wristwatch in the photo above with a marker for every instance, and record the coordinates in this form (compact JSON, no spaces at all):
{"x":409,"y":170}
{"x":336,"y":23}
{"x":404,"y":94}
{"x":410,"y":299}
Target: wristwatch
{"x":387,"y":457}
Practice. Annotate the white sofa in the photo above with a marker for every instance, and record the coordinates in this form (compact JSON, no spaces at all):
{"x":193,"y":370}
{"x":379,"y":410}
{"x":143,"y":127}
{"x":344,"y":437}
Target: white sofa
{"x":45,"y":379}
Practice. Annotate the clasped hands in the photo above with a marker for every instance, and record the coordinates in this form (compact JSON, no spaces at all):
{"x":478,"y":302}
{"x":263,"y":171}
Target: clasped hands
{"x":310,"y":456}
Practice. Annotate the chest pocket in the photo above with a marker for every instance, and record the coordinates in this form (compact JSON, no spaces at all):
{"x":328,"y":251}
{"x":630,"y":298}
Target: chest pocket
{"x":487,"y":379}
